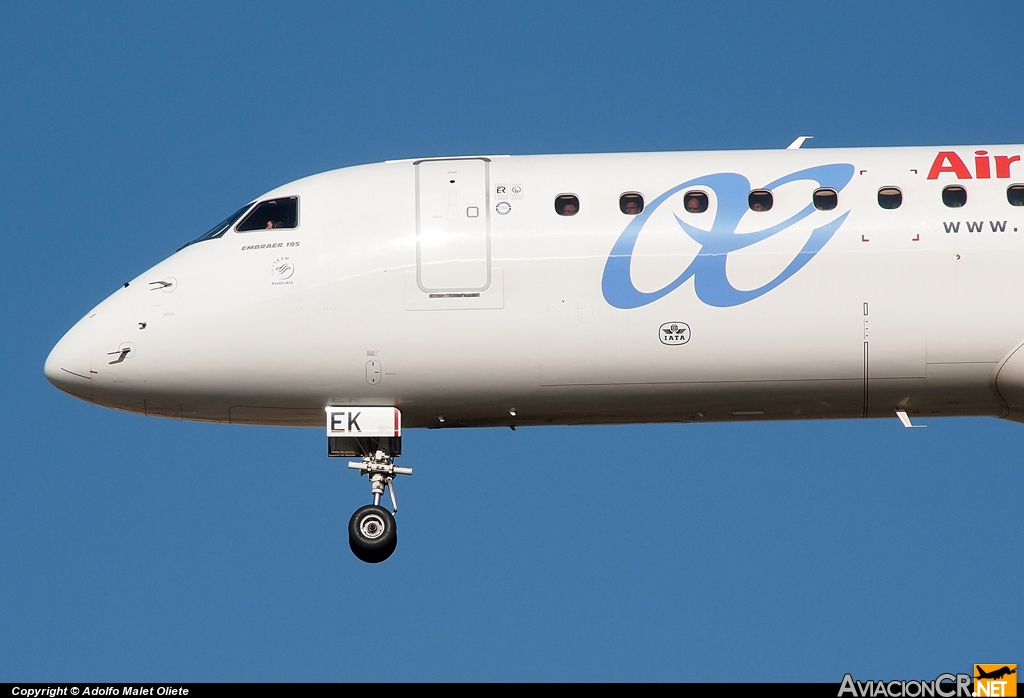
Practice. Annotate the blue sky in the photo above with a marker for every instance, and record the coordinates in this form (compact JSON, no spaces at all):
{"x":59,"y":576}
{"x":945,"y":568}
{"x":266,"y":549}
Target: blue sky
{"x":148,"y":549}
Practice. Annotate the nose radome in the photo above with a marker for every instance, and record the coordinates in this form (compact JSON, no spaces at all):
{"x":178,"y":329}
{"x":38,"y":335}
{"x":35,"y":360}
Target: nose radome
{"x":67,"y":366}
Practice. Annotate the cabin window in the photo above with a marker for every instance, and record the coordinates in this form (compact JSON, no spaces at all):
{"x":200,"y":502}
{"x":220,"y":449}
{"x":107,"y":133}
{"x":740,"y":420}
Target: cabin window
{"x":1015,"y":194}
{"x":219,"y":229}
{"x":825,"y":199}
{"x":567,"y":204}
{"x":631,"y":203}
{"x":695,"y":202}
{"x":890,"y":197}
{"x":954,"y":196}
{"x":271,"y":215}
{"x":760,"y":200}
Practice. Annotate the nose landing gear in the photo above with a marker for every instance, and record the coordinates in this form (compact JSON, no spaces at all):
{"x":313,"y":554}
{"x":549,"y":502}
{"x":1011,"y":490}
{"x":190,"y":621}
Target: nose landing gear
{"x":375,"y":435}
{"x":372,"y":533}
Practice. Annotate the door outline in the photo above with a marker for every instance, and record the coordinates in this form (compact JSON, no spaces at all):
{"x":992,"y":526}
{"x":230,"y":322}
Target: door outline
{"x":487,"y":225}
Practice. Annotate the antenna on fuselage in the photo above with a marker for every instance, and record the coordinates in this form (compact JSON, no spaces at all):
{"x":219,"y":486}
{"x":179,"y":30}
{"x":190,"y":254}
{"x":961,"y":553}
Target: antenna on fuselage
{"x":795,"y":145}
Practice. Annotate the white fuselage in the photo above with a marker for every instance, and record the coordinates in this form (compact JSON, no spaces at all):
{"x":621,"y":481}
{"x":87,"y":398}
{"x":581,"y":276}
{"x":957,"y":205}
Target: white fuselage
{"x":453,"y":290}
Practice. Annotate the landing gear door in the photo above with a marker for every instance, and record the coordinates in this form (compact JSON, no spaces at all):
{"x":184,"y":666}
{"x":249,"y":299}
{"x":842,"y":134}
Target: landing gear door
{"x":453,"y":245}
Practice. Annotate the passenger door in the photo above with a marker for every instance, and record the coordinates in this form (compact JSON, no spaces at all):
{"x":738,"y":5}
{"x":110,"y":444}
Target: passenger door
{"x":453,"y":246}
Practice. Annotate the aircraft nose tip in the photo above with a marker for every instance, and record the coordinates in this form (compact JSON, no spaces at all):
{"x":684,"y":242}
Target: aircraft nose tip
{"x":67,"y":366}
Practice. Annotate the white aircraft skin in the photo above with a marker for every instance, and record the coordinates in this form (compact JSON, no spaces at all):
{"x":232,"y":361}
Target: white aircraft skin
{"x":389,"y":292}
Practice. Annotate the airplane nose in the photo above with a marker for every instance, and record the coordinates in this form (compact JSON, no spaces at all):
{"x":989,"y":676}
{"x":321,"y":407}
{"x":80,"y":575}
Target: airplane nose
{"x":67,"y":366}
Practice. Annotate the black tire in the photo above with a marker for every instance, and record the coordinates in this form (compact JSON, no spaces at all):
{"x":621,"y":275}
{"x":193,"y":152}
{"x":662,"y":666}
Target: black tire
{"x":372,"y":533}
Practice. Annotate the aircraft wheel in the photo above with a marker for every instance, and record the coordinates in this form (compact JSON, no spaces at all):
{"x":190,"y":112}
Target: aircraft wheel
{"x":372,"y":533}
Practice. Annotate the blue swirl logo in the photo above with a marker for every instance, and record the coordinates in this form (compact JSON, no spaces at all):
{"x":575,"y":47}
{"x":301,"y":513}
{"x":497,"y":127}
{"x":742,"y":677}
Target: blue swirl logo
{"x":707,"y":270}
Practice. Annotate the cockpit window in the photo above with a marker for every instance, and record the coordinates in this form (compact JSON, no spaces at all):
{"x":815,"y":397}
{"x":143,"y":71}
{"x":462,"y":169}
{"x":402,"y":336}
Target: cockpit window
{"x":271,"y":215}
{"x":219,"y":229}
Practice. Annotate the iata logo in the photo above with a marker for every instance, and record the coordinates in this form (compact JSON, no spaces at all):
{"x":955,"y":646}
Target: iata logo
{"x":949,"y":161}
{"x":674,"y":333}
{"x":711,"y":283}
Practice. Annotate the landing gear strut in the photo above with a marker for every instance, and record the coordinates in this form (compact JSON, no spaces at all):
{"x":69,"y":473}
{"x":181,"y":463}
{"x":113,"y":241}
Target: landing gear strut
{"x":372,"y":533}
